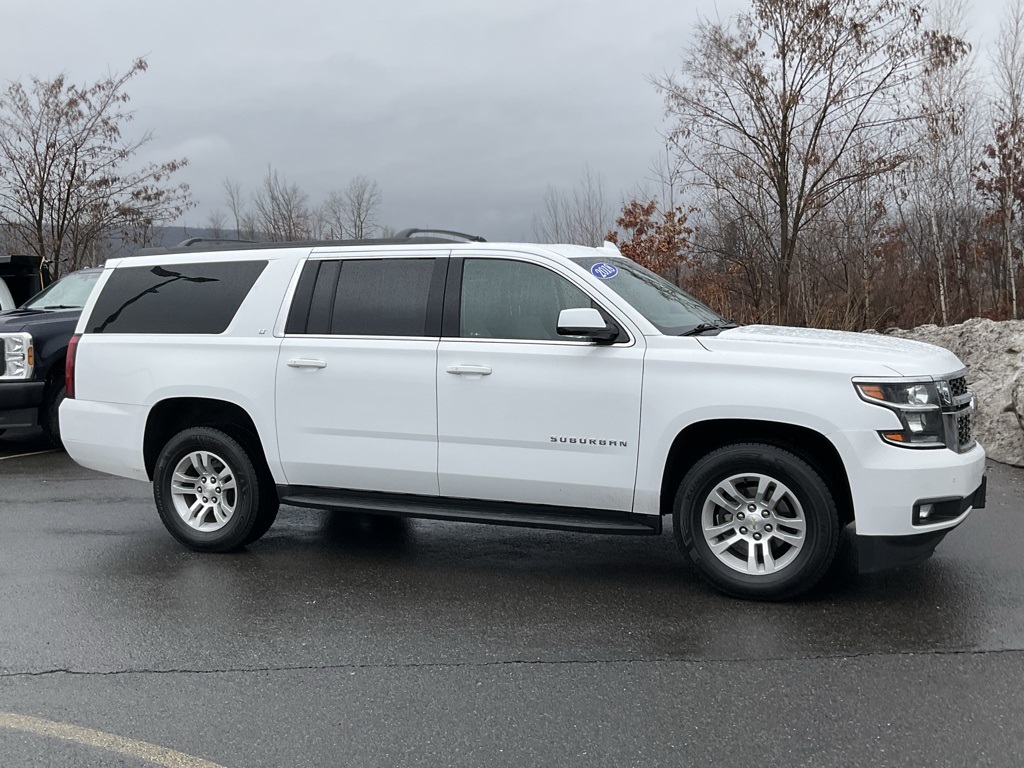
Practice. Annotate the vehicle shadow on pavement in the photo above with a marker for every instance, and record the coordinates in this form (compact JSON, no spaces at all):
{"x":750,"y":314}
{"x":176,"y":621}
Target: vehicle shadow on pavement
{"x":506,"y":591}
{"x":384,"y":534}
{"x":18,"y":441}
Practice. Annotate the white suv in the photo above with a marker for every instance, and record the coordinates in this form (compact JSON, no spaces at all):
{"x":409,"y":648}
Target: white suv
{"x":551,"y":386}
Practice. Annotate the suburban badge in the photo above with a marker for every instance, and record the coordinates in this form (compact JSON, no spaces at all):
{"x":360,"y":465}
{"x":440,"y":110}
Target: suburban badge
{"x":588,"y":441}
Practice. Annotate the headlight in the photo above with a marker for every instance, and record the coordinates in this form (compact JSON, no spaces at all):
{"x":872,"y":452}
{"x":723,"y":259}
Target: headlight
{"x":18,"y":356}
{"x":918,"y":406}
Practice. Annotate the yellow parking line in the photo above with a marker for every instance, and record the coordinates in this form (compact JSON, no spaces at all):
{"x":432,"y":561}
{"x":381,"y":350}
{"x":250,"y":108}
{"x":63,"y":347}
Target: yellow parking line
{"x":23,"y":455}
{"x":110,"y":742}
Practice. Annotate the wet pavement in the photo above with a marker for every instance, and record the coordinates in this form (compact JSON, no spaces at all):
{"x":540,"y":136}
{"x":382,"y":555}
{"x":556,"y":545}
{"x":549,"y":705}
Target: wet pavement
{"x":339,"y":641}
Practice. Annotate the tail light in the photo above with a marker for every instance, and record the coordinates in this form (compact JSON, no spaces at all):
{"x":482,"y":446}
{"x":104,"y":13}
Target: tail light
{"x":69,"y":366}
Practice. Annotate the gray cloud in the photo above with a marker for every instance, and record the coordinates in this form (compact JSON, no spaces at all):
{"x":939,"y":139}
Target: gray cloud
{"x":463,"y":110}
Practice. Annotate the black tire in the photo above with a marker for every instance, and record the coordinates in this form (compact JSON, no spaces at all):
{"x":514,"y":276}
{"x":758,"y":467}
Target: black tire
{"x":248,"y":508}
{"x":265,"y":515}
{"x":809,"y":496}
{"x":269,"y":502}
{"x":49,"y":414}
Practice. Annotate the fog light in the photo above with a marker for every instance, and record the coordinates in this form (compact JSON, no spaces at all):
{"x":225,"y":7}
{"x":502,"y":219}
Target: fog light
{"x":925,"y":511}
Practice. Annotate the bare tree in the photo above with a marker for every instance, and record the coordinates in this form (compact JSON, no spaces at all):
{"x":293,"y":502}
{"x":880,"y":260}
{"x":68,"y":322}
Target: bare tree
{"x":334,"y":213}
{"x":318,"y":227}
{"x":236,"y":203}
{"x":352,"y":213}
{"x":1001,"y":175}
{"x":668,"y":175}
{"x":216,"y":223}
{"x":938,"y":186}
{"x":1008,"y":64}
{"x":795,"y":102}
{"x":66,"y":178}
{"x":361,"y":205}
{"x":281,"y":210}
{"x":581,"y":215}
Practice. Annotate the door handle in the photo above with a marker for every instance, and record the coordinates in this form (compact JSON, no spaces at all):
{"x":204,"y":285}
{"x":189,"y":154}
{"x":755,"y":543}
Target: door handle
{"x":471,"y":370}
{"x":305,"y":362}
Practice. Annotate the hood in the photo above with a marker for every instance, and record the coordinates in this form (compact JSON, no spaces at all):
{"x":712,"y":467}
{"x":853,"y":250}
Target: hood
{"x":34,"y":321}
{"x":861,"y":353}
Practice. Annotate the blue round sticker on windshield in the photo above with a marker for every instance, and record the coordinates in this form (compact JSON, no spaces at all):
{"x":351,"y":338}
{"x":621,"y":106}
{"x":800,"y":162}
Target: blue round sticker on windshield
{"x":604,"y":270}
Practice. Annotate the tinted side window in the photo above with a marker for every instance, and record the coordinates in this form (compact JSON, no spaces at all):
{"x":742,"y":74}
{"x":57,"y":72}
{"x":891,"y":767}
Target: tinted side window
{"x":504,"y":299}
{"x":298,"y":313}
{"x":323,"y":298}
{"x":177,"y":298}
{"x":373,"y":297}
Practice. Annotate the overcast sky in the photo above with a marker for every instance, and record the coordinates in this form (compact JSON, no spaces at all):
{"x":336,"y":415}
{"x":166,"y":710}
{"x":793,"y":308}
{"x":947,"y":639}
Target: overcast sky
{"x":462,"y":110}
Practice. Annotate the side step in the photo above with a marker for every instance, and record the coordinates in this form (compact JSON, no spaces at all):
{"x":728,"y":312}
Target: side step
{"x":473,"y":511}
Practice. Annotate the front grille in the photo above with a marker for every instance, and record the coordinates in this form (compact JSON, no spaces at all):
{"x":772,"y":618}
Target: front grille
{"x":958,"y":386}
{"x":963,"y":429}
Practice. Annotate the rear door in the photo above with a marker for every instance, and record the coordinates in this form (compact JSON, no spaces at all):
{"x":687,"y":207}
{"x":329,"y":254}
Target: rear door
{"x":356,"y":378}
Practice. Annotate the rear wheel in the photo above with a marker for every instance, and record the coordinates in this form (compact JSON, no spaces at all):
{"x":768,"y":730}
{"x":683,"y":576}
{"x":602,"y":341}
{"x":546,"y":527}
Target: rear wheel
{"x":208,"y":492}
{"x":757,"y":520}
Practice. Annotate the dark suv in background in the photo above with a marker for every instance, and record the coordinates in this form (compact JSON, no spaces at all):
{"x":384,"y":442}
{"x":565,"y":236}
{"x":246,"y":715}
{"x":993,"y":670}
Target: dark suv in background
{"x":33,"y":347}
{"x":21,"y":278}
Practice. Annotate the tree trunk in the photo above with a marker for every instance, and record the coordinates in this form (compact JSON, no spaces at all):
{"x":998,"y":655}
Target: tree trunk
{"x":1011,"y":278}
{"x":940,"y":262}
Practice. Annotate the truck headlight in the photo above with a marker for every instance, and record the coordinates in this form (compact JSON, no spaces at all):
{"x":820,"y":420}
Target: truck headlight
{"x":918,"y":404}
{"x":18,"y":355}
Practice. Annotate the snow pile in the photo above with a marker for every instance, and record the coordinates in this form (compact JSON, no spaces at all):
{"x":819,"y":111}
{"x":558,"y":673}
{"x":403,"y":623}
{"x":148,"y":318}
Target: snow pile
{"x":994,"y":351}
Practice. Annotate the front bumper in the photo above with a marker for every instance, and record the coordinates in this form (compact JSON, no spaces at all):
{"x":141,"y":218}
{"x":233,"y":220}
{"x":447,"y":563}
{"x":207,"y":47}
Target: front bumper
{"x":888,"y":484}
{"x":880,"y":553}
{"x":19,"y":403}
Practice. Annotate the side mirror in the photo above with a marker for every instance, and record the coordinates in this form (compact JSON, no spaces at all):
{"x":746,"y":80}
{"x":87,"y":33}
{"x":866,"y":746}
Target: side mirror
{"x":586,"y":322}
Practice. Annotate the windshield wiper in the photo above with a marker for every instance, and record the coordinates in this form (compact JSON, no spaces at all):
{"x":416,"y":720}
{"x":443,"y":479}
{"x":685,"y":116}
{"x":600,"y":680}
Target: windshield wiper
{"x":60,"y":306}
{"x":697,"y":330}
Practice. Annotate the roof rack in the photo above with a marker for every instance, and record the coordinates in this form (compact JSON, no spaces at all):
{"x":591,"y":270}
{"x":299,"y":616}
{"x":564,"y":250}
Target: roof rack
{"x":406,"y":233}
{"x":406,"y":236}
{"x":205,"y":240}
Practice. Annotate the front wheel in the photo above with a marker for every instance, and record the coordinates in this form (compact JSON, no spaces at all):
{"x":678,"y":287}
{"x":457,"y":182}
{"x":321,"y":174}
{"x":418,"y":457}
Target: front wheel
{"x":208,"y":490}
{"x":49,"y":414}
{"x":757,"y":520}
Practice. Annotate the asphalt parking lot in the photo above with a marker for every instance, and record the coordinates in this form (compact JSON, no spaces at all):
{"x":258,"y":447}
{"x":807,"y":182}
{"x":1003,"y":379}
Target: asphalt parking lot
{"x":339,"y":641}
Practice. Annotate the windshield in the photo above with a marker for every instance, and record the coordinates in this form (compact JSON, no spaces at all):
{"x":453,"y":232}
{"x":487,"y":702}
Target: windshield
{"x":70,"y":292}
{"x":670,"y":309}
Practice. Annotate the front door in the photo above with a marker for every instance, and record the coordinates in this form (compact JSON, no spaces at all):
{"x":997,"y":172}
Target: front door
{"x":525,"y":415}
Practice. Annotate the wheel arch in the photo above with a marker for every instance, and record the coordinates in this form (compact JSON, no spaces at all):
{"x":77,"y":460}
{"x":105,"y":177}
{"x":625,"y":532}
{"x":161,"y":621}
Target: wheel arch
{"x":55,"y":365}
{"x":169,"y":417}
{"x":47,"y":416}
{"x":700,"y":438}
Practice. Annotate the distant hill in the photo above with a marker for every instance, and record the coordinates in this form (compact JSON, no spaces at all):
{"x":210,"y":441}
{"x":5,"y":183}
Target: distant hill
{"x":166,"y":236}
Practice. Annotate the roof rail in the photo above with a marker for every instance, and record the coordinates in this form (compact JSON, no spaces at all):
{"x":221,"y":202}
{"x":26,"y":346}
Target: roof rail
{"x":205,"y":240}
{"x":405,"y":237}
{"x":407,"y":233}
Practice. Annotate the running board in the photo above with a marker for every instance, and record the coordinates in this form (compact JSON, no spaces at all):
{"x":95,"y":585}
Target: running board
{"x":473,"y":511}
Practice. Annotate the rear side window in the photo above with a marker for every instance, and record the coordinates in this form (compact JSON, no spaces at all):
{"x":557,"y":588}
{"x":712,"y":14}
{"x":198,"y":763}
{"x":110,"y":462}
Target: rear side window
{"x":178,"y":298}
{"x":369,"y":297}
